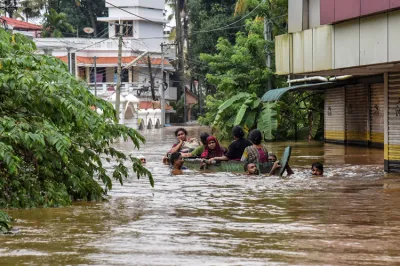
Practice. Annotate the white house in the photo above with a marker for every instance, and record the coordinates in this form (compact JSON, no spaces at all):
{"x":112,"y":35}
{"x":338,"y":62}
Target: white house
{"x":143,"y":33}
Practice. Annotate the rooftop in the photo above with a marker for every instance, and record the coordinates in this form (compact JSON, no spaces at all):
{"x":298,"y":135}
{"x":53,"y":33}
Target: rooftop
{"x":21,"y":25}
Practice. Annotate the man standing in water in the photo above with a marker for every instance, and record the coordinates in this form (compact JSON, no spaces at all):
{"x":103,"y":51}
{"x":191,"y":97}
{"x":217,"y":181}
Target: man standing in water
{"x":251,"y":168}
{"x":176,"y":161}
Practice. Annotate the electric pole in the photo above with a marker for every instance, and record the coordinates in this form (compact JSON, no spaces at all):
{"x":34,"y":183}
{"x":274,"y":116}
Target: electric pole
{"x":181,"y":57}
{"x":153,"y":94}
{"x":95,"y":74}
{"x":162,"y":88}
{"x":118,"y":90}
{"x":267,"y":37}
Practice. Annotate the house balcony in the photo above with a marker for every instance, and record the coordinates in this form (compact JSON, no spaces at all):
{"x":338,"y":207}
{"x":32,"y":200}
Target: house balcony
{"x":139,"y":89}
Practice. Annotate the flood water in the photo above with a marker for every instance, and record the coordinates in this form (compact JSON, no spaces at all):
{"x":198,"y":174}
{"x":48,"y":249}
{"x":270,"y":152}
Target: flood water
{"x":350,"y":216}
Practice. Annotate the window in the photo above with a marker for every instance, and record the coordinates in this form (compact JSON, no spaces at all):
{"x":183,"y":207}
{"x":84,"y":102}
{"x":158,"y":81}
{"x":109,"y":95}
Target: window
{"x":127,"y":29}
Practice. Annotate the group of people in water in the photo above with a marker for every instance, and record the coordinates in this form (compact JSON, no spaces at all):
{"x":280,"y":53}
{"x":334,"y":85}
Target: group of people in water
{"x":250,"y":151}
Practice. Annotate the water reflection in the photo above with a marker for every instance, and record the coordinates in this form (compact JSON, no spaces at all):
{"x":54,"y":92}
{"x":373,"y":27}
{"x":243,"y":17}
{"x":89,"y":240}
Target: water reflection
{"x":350,"y":216}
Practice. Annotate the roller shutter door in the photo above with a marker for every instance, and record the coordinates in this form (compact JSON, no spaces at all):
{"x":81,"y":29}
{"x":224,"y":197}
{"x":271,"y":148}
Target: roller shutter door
{"x":334,"y":115}
{"x":394,"y":123}
{"x":357,"y":115}
{"x":377,"y":115}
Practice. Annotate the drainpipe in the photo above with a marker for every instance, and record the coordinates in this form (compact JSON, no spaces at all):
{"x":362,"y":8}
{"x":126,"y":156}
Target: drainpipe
{"x":341,"y":78}
{"x":322,"y":79}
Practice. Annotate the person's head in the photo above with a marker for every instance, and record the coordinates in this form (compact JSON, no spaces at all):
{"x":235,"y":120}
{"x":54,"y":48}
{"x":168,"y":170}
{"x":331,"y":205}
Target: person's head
{"x":317,"y":169}
{"x":181,"y":134}
{"x":272,"y":158}
{"x":203,"y":138}
{"x":212,"y":142}
{"x":255,"y":137}
{"x":251,"y":168}
{"x":176,"y":160}
{"x":237,"y":132}
{"x":142,"y":159}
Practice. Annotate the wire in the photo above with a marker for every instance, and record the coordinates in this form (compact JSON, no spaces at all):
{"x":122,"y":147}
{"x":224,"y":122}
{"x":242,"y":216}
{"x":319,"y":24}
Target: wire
{"x":159,"y":23}
{"x":224,"y":27}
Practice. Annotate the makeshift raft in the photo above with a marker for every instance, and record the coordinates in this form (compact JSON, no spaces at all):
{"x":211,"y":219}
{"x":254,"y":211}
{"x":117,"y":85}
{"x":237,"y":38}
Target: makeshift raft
{"x":195,"y":163}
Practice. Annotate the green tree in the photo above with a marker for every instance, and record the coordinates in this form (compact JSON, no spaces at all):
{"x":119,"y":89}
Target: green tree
{"x":56,"y":24}
{"x":52,"y":144}
{"x":5,"y":223}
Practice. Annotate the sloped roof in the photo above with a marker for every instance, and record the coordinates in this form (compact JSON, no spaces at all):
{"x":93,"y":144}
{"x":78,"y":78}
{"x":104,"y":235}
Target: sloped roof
{"x":21,"y":25}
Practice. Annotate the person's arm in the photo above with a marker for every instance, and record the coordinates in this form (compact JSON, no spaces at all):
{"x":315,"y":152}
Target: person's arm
{"x":177,"y":147}
{"x":275,"y":167}
{"x":289,"y":170}
{"x":221,"y":158}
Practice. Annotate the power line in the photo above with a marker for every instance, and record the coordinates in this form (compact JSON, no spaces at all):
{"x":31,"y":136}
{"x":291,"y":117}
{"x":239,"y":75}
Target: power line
{"x":159,"y":23}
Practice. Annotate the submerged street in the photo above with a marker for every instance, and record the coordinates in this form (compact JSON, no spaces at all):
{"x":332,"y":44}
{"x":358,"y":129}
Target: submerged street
{"x":350,"y":216}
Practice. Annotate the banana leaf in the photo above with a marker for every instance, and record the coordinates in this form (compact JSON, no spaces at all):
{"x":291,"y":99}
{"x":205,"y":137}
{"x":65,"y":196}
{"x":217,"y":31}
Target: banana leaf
{"x":242,"y":111}
{"x":250,"y":119}
{"x":267,"y":121}
{"x":228,"y":103}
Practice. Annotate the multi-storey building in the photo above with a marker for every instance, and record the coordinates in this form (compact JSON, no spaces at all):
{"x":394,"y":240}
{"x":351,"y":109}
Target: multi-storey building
{"x":142,"y":23}
{"x":354,"y":45}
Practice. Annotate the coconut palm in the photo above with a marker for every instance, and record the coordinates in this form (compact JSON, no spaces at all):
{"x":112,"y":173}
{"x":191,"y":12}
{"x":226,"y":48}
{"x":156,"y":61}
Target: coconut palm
{"x":56,"y":24}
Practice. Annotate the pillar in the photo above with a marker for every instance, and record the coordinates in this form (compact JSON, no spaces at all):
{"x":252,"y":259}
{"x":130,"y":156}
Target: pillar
{"x":386,"y":120}
{"x":130,"y":74}
{"x":87,"y":70}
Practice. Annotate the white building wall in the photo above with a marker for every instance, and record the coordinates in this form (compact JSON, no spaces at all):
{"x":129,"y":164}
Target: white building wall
{"x":374,"y":40}
{"x":314,"y":13}
{"x":359,"y":42}
{"x":347,"y":44}
{"x":394,"y":36}
{"x":157,"y":4}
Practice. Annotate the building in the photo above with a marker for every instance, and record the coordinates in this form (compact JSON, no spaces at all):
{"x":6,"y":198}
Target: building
{"x":142,"y":24}
{"x":28,"y":29}
{"x":352,"y":45}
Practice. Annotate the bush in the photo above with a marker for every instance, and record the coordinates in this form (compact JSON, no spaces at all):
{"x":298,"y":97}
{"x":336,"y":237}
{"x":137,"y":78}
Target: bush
{"x":50,"y":139}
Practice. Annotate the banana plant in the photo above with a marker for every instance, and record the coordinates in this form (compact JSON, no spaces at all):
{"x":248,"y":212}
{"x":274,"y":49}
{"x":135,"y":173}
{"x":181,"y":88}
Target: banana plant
{"x":248,"y":111}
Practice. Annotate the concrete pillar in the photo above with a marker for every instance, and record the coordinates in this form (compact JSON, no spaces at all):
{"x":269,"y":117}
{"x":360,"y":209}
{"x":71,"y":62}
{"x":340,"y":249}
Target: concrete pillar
{"x":130,"y":75}
{"x":386,"y":119}
{"x":87,"y":70}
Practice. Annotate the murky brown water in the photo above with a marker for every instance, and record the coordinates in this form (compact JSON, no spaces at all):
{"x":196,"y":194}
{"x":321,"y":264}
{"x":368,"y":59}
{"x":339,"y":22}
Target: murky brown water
{"x":349,"y":217}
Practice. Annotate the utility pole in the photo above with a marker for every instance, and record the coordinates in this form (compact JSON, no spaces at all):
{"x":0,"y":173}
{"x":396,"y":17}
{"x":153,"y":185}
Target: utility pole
{"x":118,"y":90}
{"x":181,"y":41}
{"x":267,"y":37}
{"x":153,"y":94}
{"x":95,"y":74}
{"x":162,"y":88}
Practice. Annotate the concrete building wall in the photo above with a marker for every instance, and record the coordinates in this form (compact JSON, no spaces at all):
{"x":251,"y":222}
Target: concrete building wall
{"x":347,"y":44}
{"x":298,"y":15}
{"x":130,"y":3}
{"x":394,"y":36}
{"x":314,"y":14}
{"x":354,"y":43}
{"x":374,"y":40}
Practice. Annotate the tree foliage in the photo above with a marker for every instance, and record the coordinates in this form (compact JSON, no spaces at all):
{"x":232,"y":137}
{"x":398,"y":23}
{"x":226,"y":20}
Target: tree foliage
{"x":5,"y":223}
{"x":56,"y":24}
{"x":52,"y":144}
